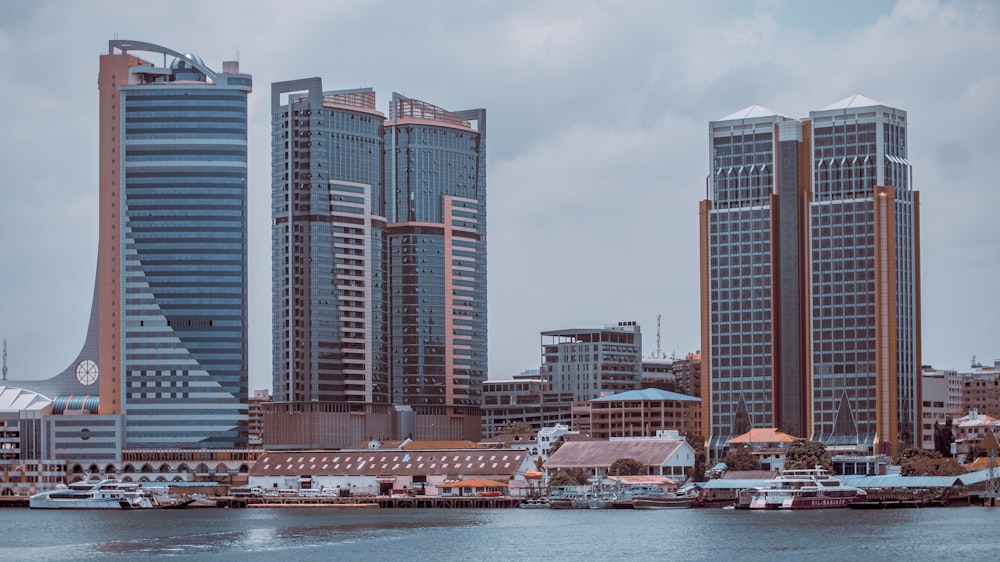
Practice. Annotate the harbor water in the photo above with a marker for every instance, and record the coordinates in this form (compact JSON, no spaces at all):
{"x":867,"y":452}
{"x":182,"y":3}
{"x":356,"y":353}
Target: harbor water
{"x":289,"y":534}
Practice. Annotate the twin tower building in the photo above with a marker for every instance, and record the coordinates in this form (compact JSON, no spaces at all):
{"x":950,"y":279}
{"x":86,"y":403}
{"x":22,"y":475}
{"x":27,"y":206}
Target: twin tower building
{"x":378,"y":260}
{"x":809,"y":269}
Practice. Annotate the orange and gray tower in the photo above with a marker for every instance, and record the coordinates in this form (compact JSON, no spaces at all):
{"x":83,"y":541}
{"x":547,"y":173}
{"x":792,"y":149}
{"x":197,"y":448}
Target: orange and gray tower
{"x":171,"y":290}
{"x":810,"y":276}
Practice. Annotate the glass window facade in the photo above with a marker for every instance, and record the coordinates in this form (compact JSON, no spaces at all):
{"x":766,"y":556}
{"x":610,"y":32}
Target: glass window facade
{"x":183,"y":203}
{"x":855,"y":295}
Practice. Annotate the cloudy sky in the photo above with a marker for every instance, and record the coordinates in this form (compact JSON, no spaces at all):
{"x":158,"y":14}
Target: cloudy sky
{"x":597,"y":148}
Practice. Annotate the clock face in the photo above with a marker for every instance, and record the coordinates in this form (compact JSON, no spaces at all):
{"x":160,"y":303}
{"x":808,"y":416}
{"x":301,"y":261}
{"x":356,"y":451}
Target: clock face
{"x":86,"y":372}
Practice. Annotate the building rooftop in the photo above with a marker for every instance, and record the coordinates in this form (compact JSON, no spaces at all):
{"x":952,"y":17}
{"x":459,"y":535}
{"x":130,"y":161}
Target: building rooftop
{"x":647,"y":394}
{"x":586,"y":454}
{"x":390,"y":463}
{"x":752,"y":112}
{"x":856,"y":100}
{"x":763,"y":435}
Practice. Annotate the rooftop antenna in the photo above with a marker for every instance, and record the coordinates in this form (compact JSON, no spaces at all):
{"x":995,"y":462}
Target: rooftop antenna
{"x":5,"y":359}
{"x":659,"y":350}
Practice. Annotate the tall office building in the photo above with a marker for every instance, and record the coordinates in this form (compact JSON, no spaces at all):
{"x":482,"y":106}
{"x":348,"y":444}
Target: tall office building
{"x":171,"y":293}
{"x":435,"y":163}
{"x":379,"y":262}
{"x":810,"y":278}
{"x":328,"y":245}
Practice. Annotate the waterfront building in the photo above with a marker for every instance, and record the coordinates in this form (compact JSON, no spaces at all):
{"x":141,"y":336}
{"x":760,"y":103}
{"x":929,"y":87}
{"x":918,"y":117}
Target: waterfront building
{"x":328,"y":245}
{"x":379,"y":267}
{"x":416,"y":467}
{"x":590,"y":363}
{"x":936,"y":408}
{"x":435,"y":166}
{"x":811,"y":279}
{"x":638,"y":413}
{"x":768,"y":444}
{"x":256,"y":416}
{"x":523,"y":399}
{"x":682,"y":375}
{"x":172,"y":265}
{"x":979,"y":389}
{"x":968,"y":431}
{"x":666,"y":454}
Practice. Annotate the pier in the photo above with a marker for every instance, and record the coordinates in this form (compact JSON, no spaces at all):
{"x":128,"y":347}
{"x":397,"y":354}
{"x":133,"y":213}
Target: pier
{"x":384,"y":502}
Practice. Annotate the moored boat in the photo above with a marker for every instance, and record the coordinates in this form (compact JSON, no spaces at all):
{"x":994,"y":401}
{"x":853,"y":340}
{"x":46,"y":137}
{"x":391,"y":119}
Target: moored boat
{"x":535,"y":503}
{"x":813,"y":488}
{"x":108,"y":493}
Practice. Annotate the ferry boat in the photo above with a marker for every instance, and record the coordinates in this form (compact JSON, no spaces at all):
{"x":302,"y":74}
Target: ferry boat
{"x":812,"y":488}
{"x":93,"y":494}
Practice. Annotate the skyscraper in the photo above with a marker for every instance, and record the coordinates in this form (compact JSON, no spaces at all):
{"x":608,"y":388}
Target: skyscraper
{"x":379,"y":261}
{"x":328,"y":245}
{"x":810,"y":278}
{"x":435,"y":163}
{"x":171,"y":288}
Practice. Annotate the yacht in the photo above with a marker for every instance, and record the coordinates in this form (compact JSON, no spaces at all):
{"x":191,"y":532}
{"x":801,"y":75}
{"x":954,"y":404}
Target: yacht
{"x":108,"y":493}
{"x":812,"y":488}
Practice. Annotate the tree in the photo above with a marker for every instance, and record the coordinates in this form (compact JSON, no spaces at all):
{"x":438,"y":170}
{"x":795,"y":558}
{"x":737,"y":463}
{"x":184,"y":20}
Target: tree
{"x":569,"y":477}
{"x":943,"y":438}
{"x":517,"y":427}
{"x":927,"y":466}
{"x":626,"y":466}
{"x":808,"y":454}
{"x":741,"y":459}
{"x":921,"y":462}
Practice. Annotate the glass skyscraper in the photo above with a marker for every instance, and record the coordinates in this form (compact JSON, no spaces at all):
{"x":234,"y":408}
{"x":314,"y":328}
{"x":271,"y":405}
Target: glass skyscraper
{"x":328,"y":245}
{"x":379,"y":255}
{"x":172,"y":265}
{"x":810,"y":278}
{"x":436,"y":206}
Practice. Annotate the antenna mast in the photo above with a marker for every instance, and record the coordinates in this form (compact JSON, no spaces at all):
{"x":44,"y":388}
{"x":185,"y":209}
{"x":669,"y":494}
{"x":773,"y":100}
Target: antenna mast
{"x":659,"y":350}
{"x":5,"y":359}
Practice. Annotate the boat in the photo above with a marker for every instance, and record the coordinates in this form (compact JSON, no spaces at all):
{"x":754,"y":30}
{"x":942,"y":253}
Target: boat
{"x":654,"y":497}
{"x":811,"y":488}
{"x":535,"y":503}
{"x":107,"y":493}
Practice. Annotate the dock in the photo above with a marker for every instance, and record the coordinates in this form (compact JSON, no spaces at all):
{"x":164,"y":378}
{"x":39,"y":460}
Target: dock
{"x":383,"y":502}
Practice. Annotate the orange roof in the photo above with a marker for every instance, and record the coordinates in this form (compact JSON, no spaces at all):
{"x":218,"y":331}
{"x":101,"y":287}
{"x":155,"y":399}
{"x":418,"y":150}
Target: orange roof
{"x":763,"y":435}
{"x":474,"y":483}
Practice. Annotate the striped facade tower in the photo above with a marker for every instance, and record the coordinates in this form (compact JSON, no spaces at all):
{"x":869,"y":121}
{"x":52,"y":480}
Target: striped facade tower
{"x":811,"y":279}
{"x":171,"y":291}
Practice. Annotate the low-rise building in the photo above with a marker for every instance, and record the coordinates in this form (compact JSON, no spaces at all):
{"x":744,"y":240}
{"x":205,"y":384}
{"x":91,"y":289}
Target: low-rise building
{"x":420,"y":471}
{"x":768,"y":444}
{"x":638,"y":413}
{"x":667,"y":454}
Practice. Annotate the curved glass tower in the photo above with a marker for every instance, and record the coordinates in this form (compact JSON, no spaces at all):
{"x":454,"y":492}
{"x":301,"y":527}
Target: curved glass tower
{"x":172,"y":265}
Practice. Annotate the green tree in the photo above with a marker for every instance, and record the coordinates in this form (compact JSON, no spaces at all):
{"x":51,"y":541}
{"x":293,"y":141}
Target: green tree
{"x":911,"y":460}
{"x":808,"y":454}
{"x":943,"y":438}
{"x":741,"y":459}
{"x":569,"y":477}
{"x":626,"y":466}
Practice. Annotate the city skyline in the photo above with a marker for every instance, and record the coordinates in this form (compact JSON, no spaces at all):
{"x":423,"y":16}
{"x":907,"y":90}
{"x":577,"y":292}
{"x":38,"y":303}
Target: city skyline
{"x":597,"y":117}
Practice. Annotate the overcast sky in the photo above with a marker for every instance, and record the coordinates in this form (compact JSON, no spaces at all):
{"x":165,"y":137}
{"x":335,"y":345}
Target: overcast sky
{"x":597,"y":143}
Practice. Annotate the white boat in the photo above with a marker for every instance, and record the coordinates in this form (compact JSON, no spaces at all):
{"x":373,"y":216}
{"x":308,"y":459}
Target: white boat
{"x":812,"y":488}
{"x":108,"y":493}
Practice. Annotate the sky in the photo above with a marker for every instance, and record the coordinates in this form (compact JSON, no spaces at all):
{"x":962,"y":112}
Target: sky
{"x":597,"y":148}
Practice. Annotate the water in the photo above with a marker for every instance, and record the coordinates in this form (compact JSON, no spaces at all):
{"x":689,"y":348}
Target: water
{"x":966,"y":533}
